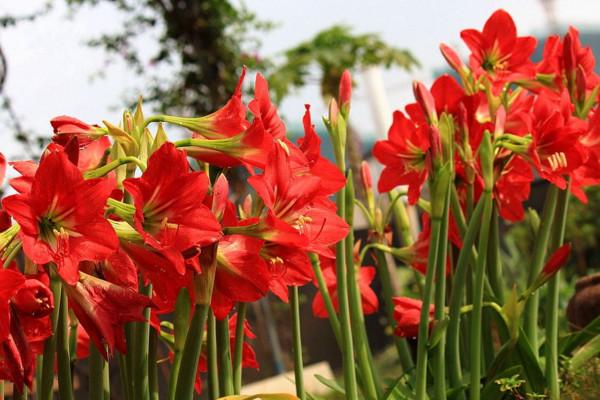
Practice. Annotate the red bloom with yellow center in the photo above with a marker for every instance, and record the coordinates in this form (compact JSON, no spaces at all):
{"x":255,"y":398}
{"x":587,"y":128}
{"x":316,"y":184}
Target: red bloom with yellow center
{"x":61,"y":218}
{"x":498,"y":53}
{"x":168,"y":198}
{"x":403,"y":155}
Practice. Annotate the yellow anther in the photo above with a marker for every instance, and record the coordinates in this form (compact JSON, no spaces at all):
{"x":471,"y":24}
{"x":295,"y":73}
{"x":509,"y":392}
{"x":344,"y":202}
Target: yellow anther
{"x":285,"y":147}
{"x":557,"y":160}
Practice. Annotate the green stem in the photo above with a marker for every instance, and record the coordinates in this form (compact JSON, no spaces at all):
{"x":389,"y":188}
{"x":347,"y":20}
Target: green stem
{"x":333,"y":319}
{"x":65,"y":385}
{"x":181,"y":319}
{"x":402,"y":220}
{"x":406,"y":360}
{"x":343,"y":309}
{"x":153,"y":365}
{"x":100,"y":172}
{"x":552,"y":303}
{"x":297,"y":343}
{"x":539,"y":255}
{"x":494,"y":264}
{"x":211,"y":358}
{"x":191,"y":354}
{"x":224,"y":358}
{"x":239,"y":347}
{"x":124,"y":373}
{"x":96,"y":378}
{"x":421,"y":378}
{"x":141,"y":389}
{"x":456,"y":299}
{"x":478,"y":285}
{"x":359,"y":337}
{"x":47,"y":384}
{"x":439,"y":359}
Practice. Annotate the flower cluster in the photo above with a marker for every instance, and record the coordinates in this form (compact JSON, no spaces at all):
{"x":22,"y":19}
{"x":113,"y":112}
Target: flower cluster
{"x":85,"y":220}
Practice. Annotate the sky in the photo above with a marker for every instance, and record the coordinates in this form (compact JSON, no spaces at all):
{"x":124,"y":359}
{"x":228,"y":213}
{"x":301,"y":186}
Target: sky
{"x":52,"y":72}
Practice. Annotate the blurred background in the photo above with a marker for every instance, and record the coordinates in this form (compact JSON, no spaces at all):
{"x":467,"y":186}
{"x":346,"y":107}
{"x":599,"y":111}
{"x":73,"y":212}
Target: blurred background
{"x":92,"y":58}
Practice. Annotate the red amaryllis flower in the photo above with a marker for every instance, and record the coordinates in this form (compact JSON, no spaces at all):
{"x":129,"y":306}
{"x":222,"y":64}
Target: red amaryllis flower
{"x":262,"y":107}
{"x":102,"y":308}
{"x":224,"y":123}
{"x":555,"y":150}
{"x":168,"y":201}
{"x":364,"y":276}
{"x":61,"y":218}
{"x":417,"y":254}
{"x":287,"y":266}
{"x":2,"y":168}
{"x":407,"y":313}
{"x":241,"y":274}
{"x":296,"y":200}
{"x":332,"y":179}
{"x":67,"y":127}
{"x":403,"y":155}
{"x":512,"y":188}
{"x":498,"y":53}
{"x":25,"y":305}
{"x":250,"y":148}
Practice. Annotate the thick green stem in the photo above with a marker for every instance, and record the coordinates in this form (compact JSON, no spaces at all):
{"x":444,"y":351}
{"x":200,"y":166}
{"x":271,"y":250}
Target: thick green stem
{"x":65,"y":384}
{"x":141,"y":389}
{"x":439,"y":356}
{"x":224,"y":358}
{"x":47,"y":384}
{"x":530,"y":325}
{"x":100,"y":172}
{"x":368,"y":374}
{"x":181,"y":319}
{"x":478,"y":285}
{"x":96,"y":378}
{"x":297,"y":344}
{"x":552,"y":303}
{"x":239,"y":347}
{"x":421,"y":378}
{"x":211,"y":358}
{"x":494,"y":265}
{"x":406,"y":360}
{"x":191,"y":354}
{"x":333,"y":319}
{"x":456,"y":299}
{"x":153,"y":365}
{"x":343,"y":309}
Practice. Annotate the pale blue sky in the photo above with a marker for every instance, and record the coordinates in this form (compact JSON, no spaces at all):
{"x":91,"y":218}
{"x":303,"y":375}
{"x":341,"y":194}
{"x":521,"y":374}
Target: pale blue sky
{"x":50,"y":67}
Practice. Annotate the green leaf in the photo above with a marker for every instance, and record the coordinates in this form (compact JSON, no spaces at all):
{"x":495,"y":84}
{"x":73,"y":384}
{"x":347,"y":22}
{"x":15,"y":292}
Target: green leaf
{"x":585,"y":353}
{"x":331,"y":384}
{"x":568,"y":343}
{"x":437,"y":332}
{"x":454,"y":392}
{"x":511,"y":312}
{"x":532,"y":368}
{"x":401,"y":389}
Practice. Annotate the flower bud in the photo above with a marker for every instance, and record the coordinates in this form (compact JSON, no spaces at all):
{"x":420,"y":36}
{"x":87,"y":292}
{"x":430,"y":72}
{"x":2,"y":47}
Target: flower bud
{"x":426,"y":101}
{"x":345,"y":93}
{"x":34,"y":299}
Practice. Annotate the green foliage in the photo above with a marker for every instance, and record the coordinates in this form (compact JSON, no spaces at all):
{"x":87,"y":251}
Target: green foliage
{"x":207,"y":41}
{"x":333,"y":51}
